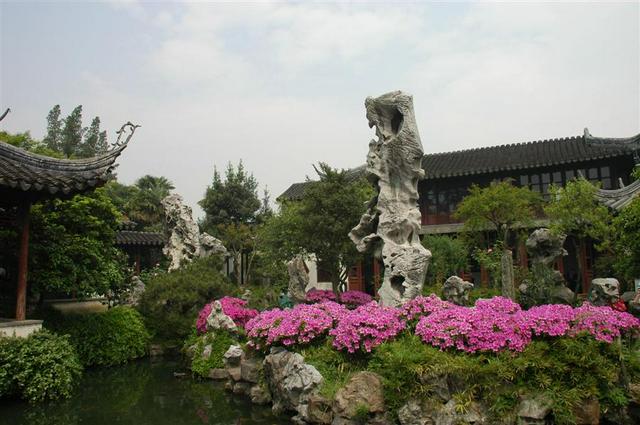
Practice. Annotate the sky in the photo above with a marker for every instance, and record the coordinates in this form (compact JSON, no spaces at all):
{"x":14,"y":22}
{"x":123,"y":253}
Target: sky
{"x":282,"y":85}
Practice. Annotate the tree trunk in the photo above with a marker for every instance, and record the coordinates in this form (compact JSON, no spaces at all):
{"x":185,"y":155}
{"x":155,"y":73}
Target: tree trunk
{"x":508,"y":286}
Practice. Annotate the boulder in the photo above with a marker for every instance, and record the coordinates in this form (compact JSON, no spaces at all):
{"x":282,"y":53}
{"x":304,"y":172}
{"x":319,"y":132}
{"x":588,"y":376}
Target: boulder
{"x":605,"y":291}
{"x":218,"y":320}
{"x":251,"y":369}
{"x":415,"y":413}
{"x":291,"y":381}
{"x":544,"y":247}
{"x":456,"y":290}
{"x":218,"y":374}
{"x":588,"y":412}
{"x":452,"y":414}
{"x":206,"y":352}
{"x":363,"y":389}
{"x":534,"y":409}
{"x":319,"y":410}
{"x":233,"y":356}
{"x":298,"y":279}
{"x":392,"y":222}
{"x":259,"y":394}
{"x":241,"y":388}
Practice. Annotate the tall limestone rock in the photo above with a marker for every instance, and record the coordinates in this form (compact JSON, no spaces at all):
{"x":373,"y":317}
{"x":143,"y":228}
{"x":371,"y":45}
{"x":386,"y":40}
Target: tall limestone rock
{"x":390,"y":226}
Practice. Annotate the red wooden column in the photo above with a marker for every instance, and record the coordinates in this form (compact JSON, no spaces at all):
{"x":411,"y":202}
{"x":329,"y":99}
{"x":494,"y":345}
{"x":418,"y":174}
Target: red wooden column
{"x":23,"y":260}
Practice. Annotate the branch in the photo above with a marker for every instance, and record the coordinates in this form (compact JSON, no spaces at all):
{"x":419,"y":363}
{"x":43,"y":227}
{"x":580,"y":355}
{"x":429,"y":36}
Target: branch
{"x":5,"y":114}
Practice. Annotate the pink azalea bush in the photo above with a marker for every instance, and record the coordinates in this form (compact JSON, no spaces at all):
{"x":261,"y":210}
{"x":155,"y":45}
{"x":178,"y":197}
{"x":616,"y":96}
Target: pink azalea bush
{"x":235,"y":308}
{"x":423,"y":306}
{"x":604,"y":323}
{"x":320,"y":295}
{"x":355,"y":298}
{"x":366,"y":327}
{"x":297,"y":326}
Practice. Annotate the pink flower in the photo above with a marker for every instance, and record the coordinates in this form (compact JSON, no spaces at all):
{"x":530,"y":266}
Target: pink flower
{"x":320,"y":295}
{"x":355,"y":298}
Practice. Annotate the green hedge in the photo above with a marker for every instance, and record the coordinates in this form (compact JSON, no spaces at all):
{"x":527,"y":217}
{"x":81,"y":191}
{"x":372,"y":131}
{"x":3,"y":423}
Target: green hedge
{"x":104,"y":339}
{"x":171,"y":301}
{"x":43,"y":366}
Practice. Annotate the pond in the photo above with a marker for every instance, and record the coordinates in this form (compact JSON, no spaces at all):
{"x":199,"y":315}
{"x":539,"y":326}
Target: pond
{"x":142,"y":392}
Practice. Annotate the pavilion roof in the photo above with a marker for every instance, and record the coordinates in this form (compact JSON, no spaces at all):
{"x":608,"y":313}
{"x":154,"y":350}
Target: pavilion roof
{"x":134,"y":238}
{"x":619,"y":198}
{"x":40,"y":176}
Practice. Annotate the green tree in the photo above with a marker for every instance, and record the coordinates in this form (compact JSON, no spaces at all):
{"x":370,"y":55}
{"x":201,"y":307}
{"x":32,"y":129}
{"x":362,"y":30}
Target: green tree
{"x":53,"y":138}
{"x":232,"y":211}
{"x":72,"y":246}
{"x":26,"y":142}
{"x":574,"y":210}
{"x":448,"y":256}
{"x":500,"y":207}
{"x":71,"y":137}
{"x":319,"y":223}
{"x":95,"y":141}
{"x":627,"y":243}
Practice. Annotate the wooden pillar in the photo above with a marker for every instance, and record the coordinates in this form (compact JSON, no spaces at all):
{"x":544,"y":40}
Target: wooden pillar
{"x":23,"y":261}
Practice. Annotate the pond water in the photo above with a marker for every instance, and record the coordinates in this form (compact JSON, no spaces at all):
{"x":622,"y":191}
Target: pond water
{"x":140,"y":393}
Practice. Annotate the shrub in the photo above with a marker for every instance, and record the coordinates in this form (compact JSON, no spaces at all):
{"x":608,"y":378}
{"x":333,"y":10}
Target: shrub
{"x":217,"y":343}
{"x":355,"y":298}
{"x":171,"y":301}
{"x":367,"y":327}
{"x":297,"y":326}
{"x":232,"y":307}
{"x":104,"y":339}
{"x":43,"y":366}
{"x":320,"y":295}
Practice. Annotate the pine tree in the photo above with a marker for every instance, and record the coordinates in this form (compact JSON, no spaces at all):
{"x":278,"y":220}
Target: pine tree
{"x":72,"y":133}
{"x":54,"y":129}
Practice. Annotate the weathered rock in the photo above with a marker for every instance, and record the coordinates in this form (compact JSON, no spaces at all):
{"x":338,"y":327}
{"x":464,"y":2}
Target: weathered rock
{"x":451,"y":414}
{"x":291,"y":381}
{"x":438,"y":385}
{"x":218,"y":374}
{"x":184,"y":241}
{"x":233,"y":356}
{"x":588,"y":412}
{"x":206,"y":351}
{"x":136,"y":291}
{"x":260,"y":394}
{"x":534,"y":409}
{"x":415,"y":413}
{"x":156,"y":350}
{"x":605,"y":291}
{"x":362,"y":389}
{"x":251,"y":368}
{"x":242,"y":388}
{"x":456,"y":290}
{"x":235,"y":373}
{"x":319,"y":409}
{"x":392,"y":220}
{"x":560,"y":294}
{"x":218,"y":320}
{"x":506,"y":271}
{"x":544,"y":247}
{"x":298,"y":279}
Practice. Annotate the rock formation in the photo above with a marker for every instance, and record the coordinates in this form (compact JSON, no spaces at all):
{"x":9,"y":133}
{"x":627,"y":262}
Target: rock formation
{"x":391,"y":224}
{"x":547,"y":285}
{"x":605,"y":291}
{"x":218,"y":320}
{"x":298,"y":279}
{"x":184,"y":240}
{"x":456,"y":290}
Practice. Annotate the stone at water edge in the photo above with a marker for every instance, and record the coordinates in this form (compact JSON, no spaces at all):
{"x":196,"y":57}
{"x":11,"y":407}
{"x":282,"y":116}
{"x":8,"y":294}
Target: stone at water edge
{"x":218,"y":374}
{"x":319,"y":410}
{"x":393,"y":220}
{"x":251,"y":369}
{"x":362,"y":389}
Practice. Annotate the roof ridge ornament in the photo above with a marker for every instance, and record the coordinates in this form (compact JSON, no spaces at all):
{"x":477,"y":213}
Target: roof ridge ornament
{"x":123,"y":131}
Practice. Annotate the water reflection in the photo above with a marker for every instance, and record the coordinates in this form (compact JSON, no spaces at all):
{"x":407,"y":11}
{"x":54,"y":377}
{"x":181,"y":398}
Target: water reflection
{"x":141,"y":393}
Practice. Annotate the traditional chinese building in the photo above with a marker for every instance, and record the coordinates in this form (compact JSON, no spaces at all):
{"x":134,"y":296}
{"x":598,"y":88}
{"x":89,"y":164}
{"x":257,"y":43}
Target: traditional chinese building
{"x":27,"y":178}
{"x":537,"y":165}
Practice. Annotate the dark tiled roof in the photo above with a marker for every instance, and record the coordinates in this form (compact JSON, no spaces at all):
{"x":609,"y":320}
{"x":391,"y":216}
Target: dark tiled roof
{"x":517,"y":156}
{"x":619,"y":198}
{"x":42,"y":176}
{"x":130,"y":237}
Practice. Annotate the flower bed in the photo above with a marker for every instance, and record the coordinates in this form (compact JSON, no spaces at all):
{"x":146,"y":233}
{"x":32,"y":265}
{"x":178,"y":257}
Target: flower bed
{"x":235,"y":308}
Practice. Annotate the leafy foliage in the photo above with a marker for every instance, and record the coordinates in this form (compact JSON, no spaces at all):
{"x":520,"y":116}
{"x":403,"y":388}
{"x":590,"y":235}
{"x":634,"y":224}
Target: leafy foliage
{"x":320,"y":223}
{"x":448,"y":257}
{"x":43,"y":366}
{"x":26,"y":142}
{"x":171,"y":301}
{"x":104,"y":339}
{"x":72,"y":246}
{"x":218,"y":342}
{"x":627,"y":243}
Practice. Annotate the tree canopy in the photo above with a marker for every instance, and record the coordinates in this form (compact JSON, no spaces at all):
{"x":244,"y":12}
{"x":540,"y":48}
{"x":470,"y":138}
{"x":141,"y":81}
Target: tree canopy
{"x":68,"y":136}
{"x":320,"y":222}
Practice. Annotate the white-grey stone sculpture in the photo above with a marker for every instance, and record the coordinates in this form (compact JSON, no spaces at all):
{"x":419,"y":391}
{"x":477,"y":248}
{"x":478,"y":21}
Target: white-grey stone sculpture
{"x":544,"y":247}
{"x":391,"y":224}
{"x":218,"y":320}
{"x":184,"y":240}
{"x":298,"y":279}
{"x":605,"y":291}
{"x":456,"y":290}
